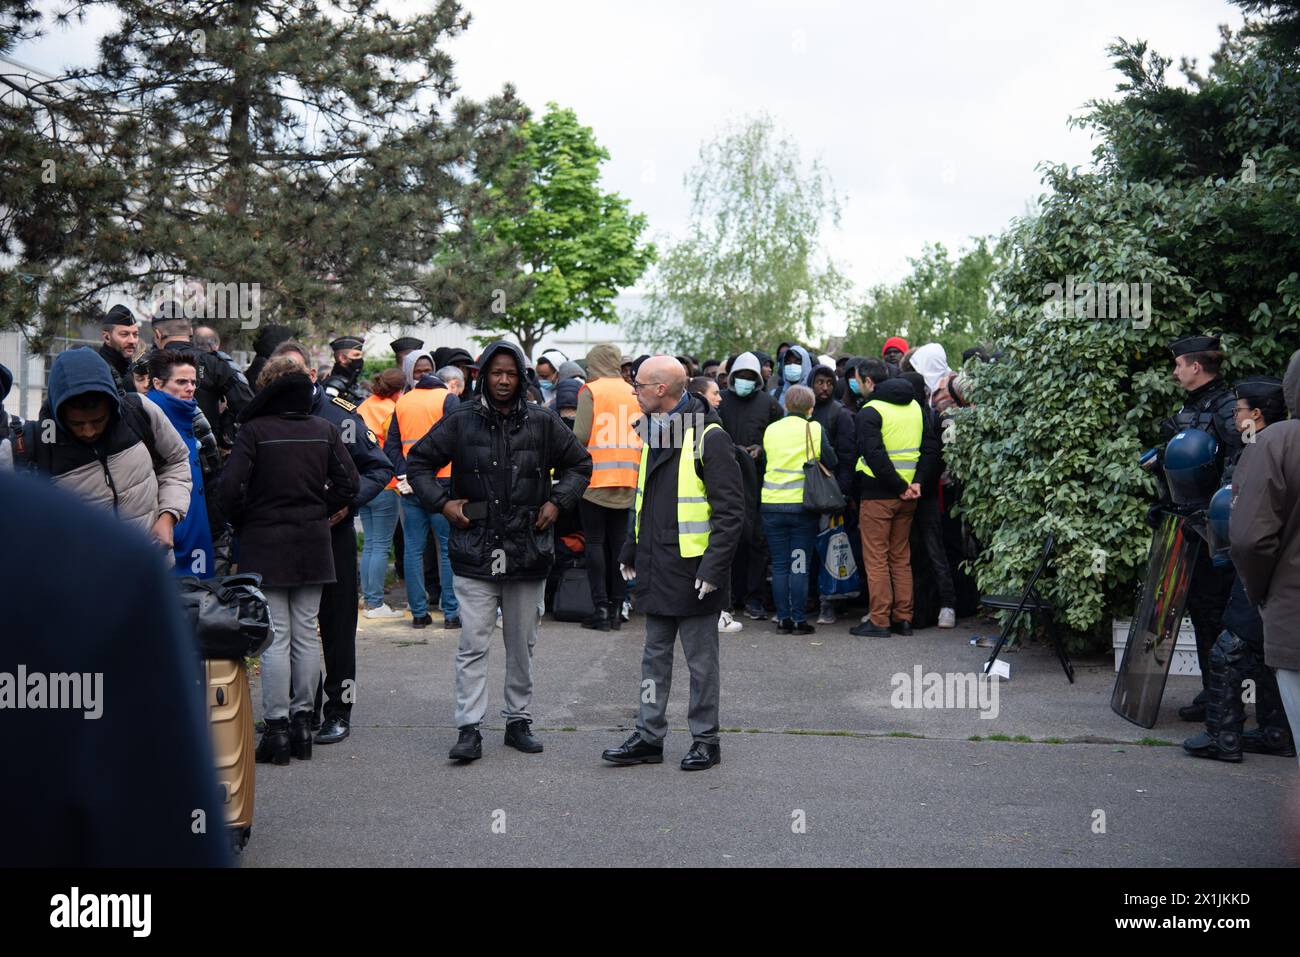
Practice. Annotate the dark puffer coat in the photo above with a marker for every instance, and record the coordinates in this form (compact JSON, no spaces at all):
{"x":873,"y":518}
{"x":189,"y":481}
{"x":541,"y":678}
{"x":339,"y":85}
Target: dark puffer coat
{"x":505,"y":460}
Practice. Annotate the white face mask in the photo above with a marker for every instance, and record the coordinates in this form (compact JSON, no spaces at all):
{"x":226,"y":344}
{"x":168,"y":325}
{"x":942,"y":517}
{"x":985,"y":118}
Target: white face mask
{"x":743,"y":387}
{"x":792,"y":373}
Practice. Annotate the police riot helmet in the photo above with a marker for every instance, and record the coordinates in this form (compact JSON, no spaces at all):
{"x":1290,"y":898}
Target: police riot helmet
{"x":1217,"y":516}
{"x":1191,"y":467}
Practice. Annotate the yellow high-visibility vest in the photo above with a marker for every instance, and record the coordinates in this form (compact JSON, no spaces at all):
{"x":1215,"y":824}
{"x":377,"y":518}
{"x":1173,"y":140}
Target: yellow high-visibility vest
{"x":901,"y":428}
{"x":693,"y":511}
{"x":785,"y":443}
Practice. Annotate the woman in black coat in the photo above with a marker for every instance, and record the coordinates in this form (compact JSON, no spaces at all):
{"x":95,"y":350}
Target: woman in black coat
{"x":288,"y":478}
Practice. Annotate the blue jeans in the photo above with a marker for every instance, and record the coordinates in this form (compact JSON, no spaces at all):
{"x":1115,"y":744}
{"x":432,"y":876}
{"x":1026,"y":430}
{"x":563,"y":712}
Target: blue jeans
{"x":415,"y":529}
{"x":378,"y":519}
{"x":792,"y":540}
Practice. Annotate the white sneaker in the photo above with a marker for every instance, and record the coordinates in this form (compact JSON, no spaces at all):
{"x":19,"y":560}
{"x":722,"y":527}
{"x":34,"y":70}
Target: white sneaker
{"x":727,"y":624}
{"x":947,"y":618}
{"x":499,"y":625}
{"x":383,"y":611}
{"x":626,"y":612}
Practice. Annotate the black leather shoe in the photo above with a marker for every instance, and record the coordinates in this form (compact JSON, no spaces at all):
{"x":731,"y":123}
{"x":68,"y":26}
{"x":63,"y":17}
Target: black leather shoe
{"x":785,"y":626}
{"x":274,"y":746}
{"x":469,"y":746}
{"x":424,"y":621}
{"x":599,"y":619}
{"x":635,"y":750}
{"x":803,"y":628}
{"x":869,"y":630}
{"x":449,"y":623}
{"x":1225,"y":746}
{"x":300,"y":735}
{"x":702,"y":756}
{"x":1193,"y":712}
{"x":1276,"y":741}
{"x":519,"y":737}
{"x":903,"y":628}
{"x":334,"y":730}
{"x":615,"y":615}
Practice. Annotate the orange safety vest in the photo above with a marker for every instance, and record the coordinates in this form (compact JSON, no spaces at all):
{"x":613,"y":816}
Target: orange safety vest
{"x":614,"y":445}
{"x":377,"y":413}
{"x":417,"y":412}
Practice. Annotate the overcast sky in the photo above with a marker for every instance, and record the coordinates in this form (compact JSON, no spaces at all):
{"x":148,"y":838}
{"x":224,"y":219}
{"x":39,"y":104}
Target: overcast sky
{"x":929,"y":115}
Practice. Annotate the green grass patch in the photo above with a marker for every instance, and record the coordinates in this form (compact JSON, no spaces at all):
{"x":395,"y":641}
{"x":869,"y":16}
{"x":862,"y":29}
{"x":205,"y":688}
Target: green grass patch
{"x":1154,"y":743}
{"x":903,"y":734}
{"x":974,"y":737}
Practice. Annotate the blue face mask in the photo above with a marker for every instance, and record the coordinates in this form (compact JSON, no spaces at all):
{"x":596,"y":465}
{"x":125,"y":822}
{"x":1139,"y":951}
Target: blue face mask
{"x":546,"y":384}
{"x":853,"y":385}
{"x":792,"y":373}
{"x":743,"y":387}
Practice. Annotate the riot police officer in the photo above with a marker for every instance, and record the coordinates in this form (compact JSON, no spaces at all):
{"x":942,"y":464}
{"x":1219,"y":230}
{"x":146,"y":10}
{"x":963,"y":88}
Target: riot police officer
{"x":120,"y":344}
{"x":1238,"y":654}
{"x":1211,"y":407}
{"x":341,"y":383}
{"x":405,"y":346}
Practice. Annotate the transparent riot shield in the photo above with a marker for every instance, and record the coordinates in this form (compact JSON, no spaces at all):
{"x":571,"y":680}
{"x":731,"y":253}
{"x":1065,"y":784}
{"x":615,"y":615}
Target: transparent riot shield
{"x":1153,"y":633}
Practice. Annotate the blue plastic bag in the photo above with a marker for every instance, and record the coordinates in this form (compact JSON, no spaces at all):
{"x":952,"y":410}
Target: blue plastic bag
{"x":838,"y":575}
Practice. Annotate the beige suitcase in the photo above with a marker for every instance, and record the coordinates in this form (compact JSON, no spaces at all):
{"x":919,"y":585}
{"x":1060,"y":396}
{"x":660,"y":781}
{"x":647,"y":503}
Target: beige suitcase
{"x":230,"y":712}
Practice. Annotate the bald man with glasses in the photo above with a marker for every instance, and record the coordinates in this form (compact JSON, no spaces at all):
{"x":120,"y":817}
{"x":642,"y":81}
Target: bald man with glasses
{"x":688,"y":517}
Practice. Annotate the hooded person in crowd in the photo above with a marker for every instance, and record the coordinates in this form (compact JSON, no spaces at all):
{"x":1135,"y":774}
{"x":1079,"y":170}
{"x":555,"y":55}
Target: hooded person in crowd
{"x":548,"y":375}
{"x":689,"y":516}
{"x":287,"y":476}
{"x":566,"y":399}
{"x":607,"y":411}
{"x":120,"y":346}
{"x":462,"y":360}
{"x":838,"y":432}
{"x":931,"y":361}
{"x":764,"y":368}
{"x":514,"y":468}
{"x":117,"y":451}
{"x":423,"y":406}
{"x":794,"y":368}
{"x":746,"y":411}
{"x":1265,"y":539}
{"x":174,"y":377}
{"x":264,"y":343}
{"x":338,"y":602}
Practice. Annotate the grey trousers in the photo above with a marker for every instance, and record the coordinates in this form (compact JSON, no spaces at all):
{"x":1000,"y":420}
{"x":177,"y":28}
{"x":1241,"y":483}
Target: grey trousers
{"x":699,"y":634}
{"x":1288,"y":683}
{"x":294,"y":652}
{"x":521,"y":604}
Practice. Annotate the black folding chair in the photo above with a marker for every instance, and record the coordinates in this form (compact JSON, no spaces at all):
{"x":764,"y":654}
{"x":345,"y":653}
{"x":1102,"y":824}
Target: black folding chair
{"x":1031,"y":601}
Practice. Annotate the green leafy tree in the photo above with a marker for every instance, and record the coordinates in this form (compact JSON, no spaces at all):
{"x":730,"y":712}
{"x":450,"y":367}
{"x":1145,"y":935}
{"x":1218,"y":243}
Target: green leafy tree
{"x":576,"y":246}
{"x":751,"y":269}
{"x":1194,"y":193}
{"x":942,"y":300}
{"x":312,"y":150}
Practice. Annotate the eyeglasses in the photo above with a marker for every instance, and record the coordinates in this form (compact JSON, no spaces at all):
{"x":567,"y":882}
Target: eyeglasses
{"x":638,"y":386}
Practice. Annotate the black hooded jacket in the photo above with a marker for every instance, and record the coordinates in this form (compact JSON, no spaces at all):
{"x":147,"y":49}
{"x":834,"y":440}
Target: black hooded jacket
{"x":506,"y":461}
{"x":887,"y":483}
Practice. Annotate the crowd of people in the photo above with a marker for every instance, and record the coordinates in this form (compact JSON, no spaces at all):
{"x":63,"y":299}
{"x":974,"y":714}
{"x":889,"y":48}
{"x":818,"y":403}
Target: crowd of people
{"x":679,"y":487}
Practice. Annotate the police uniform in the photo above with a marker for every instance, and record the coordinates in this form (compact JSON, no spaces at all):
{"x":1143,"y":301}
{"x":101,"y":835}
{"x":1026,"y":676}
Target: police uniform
{"x":1238,"y":653}
{"x":341,"y":383}
{"x":406,"y":344}
{"x":1210,"y":408}
{"x":338,"y":602}
{"x":118,"y":364}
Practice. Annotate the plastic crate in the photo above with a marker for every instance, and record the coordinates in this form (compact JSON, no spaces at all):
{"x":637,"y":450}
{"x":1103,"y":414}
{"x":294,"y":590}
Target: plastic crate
{"x":1185,"y":661}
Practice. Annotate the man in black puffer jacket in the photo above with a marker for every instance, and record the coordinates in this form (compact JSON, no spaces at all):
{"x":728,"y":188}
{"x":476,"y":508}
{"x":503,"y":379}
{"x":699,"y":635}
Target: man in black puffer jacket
{"x":502,"y":504}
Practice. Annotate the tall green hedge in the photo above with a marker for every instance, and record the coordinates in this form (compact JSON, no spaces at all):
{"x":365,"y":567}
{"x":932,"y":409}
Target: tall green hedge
{"x":1196,"y":192}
